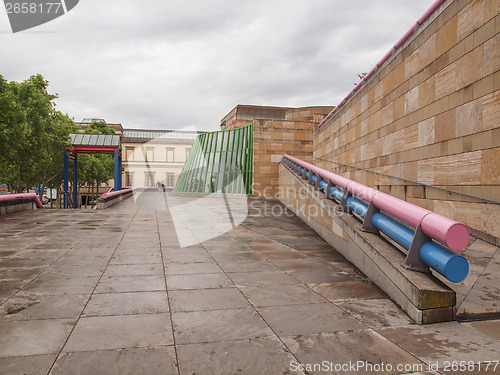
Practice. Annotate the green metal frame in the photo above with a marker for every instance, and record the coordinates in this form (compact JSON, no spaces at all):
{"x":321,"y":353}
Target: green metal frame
{"x":219,"y":162}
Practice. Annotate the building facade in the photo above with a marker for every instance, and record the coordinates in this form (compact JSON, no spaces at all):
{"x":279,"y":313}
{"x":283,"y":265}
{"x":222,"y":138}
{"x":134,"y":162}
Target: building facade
{"x":154,"y":157}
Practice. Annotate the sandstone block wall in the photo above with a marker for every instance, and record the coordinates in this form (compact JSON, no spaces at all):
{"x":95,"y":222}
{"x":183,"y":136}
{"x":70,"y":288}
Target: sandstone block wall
{"x":271,"y":140}
{"x":430,"y":117}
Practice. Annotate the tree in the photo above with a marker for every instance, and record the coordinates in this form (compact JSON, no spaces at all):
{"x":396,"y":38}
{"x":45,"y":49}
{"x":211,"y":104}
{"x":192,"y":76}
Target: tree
{"x":34,"y":136}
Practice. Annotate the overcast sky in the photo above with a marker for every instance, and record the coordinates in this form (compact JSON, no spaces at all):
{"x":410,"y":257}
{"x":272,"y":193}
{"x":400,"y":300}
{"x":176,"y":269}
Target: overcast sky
{"x":173,"y":64}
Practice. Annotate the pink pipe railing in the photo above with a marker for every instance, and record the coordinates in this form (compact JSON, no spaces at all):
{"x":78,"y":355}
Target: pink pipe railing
{"x":451,"y":233}
{"x":113,"y":193}
{"x":386,"y":57}
{"x":11,"y":197}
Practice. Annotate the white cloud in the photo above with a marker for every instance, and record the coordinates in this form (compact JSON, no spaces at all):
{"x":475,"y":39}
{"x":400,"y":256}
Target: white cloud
{"x":171,"y":64}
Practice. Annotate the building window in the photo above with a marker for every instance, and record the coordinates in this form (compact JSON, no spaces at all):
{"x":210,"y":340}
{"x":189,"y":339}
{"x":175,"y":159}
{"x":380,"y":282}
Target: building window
{"x":149,"y":177}
{"x":170,"y":153}
{"x":129,"y":153}
{"x":150,"y":154}
{"x":187,"y":152}
{"x":129,"y":179}
{"x":170,"y":180}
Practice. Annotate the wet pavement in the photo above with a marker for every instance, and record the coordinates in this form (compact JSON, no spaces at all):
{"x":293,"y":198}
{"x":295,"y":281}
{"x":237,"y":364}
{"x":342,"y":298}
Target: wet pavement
{"x":114,"y":292}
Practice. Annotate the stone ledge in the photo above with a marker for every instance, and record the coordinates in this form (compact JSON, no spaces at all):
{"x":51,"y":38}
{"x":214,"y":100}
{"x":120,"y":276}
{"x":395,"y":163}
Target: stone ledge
{"x":103,"y":203}
{"x":17,"y":205}
{"x":422,"y":296}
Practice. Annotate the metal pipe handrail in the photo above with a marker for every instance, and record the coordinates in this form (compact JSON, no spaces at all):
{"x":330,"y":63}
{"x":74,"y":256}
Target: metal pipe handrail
{"x":109,"y":194}
{"x":394,"y":217}
{"x":451,"y":233}
{"x":11,"y":197}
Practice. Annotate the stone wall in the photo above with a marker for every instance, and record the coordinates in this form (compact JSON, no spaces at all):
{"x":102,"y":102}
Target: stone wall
{"x":271,"y":140}
{"x":277,"y":131}
{"x":10,"y":207}
{"x":429,"y":118}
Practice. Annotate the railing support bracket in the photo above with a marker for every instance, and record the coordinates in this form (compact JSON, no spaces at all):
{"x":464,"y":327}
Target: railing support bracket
{"x":367,"y":222}
{"x":413,"y":261}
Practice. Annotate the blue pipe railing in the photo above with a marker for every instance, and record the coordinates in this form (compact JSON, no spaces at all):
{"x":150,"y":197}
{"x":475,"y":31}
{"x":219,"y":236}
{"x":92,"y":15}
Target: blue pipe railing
{"x":423,"y":252}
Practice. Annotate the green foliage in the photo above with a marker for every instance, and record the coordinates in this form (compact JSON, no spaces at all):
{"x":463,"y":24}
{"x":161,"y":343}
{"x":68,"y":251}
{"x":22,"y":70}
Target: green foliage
{"x":33,"y":135}
{"x":361,"y":76}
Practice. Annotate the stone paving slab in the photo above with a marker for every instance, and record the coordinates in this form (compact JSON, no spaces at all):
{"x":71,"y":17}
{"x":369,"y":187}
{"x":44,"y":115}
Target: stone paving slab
{"x":120,"y":295}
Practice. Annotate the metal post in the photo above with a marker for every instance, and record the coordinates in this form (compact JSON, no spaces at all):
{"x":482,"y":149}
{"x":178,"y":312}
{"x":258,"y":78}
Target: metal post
{"x":75,"y":182}
{"x":120,"y":169}
{"x":117,"y":171}
{"x":66,"y":180}
{"x":250,"y":163}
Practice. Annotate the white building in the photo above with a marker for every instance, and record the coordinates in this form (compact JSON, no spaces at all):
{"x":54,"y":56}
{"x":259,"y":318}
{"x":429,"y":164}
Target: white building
{"x":152,"y":157}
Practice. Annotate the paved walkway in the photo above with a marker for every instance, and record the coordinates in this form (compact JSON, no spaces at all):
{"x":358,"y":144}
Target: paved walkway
{"x":113,"y":292}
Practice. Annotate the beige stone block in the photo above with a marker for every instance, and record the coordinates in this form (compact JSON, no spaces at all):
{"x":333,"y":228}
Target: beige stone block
{"x":427,"y":52}
{"x":460,"y":169}
{"x":468,"y":118}
{"x":411,"y":101}
{"x":379,"y":92}
{"x":490,"y":217}
{"x":277,"y":135}
{"x":299,"y":136}
{"x":364,"y":103}
{"x":411,"y":65}
{"x":491,"y":111}
{"x":387,"y":114}
{"x":455,"y":146}
{"x":398,"y":192}
{"x":495,"y":193}
{"x":428,"y":204}
{"x":426,"y":92}
{"x":468,"y":214}
{"x":416,"y":191}
{"x":445,"y":126}
{"x":467,"y":143}
{"x":393,"y":143}
{"x":445,"y":208}
{"x":399,"y":75}
{"x":469,"y":43}
{"x":410,"y":137}
{"x":491,"y":59}
{"x":456,"y":99}
{"x":446,"y":37}
{"x":484,"y":33}
{"x":483,"y":87}
{"x":456,"y":52}
{"x":276,"y":158}
{"x":351,"y":135}
{"x":470,"y":68}
{"x":482,"y":140}
{"x":387,"y":143}
{"x":426,"y":132}
{"x":425,"y":171}
{"x":410,"y":170}
{"x":446,"y":81}
{"x":490,"y":168}
{"x":491,"y":9}
{"x":470,"y":18}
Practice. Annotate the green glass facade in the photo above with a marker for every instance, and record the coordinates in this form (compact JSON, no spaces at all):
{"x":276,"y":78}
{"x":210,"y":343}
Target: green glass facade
{"x":219,"y":162}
